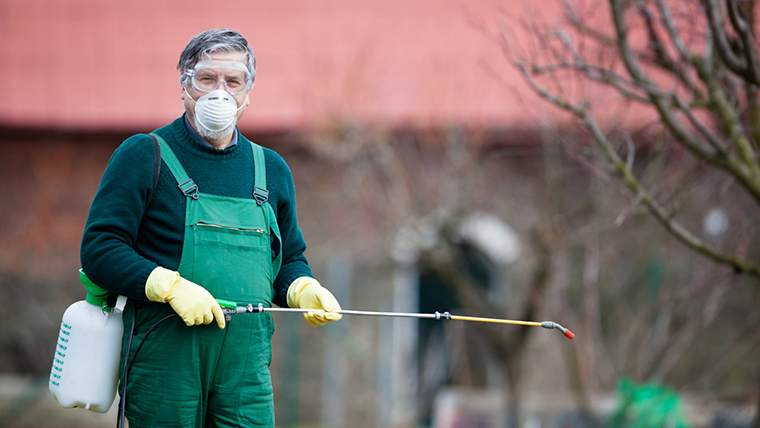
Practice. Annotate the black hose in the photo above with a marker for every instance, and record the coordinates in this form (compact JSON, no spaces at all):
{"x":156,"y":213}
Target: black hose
{"x":122,"y":400}
{"x":128,"y":362}
{"x":150,"y":330}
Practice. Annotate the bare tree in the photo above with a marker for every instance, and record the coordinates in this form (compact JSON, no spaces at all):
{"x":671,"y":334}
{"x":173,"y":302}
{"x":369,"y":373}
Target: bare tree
{"x":691,"y":70}
{"x":693,"y":67}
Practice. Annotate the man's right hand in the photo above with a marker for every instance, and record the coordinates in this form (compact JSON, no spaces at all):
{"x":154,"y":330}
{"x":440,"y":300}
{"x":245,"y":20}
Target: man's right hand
{"x":193,"y":303}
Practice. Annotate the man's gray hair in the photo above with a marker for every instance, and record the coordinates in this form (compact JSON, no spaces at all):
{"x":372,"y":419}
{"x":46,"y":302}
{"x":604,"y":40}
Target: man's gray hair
{"x":224,"y":40}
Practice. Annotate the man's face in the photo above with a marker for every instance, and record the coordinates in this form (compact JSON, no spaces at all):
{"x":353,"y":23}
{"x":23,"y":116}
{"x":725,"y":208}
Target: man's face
{"x":210,"y":77}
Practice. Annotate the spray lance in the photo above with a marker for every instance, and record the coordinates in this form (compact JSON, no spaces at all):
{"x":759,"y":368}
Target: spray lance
{"x":232,"y":308}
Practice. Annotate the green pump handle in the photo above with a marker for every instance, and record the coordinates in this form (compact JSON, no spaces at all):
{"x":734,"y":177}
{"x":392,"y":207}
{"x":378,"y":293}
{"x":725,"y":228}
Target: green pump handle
{"x":227,"y":304}
{"x":95,"y":295}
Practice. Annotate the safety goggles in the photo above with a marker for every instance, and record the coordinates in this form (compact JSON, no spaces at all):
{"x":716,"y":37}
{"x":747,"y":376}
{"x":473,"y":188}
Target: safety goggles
{"x":207,"y":76}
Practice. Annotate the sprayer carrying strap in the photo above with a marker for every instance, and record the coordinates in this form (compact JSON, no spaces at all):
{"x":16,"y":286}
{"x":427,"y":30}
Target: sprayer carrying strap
{"x":186,"y":184}
{"x":156,"y":161}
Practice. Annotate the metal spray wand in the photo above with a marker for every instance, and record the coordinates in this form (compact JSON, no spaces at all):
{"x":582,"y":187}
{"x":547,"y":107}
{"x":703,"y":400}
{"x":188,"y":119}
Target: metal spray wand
{"x":232,"y":308}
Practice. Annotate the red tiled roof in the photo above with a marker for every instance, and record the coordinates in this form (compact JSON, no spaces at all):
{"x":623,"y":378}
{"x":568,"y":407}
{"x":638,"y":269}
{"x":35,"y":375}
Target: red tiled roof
{"x":106,"y":64}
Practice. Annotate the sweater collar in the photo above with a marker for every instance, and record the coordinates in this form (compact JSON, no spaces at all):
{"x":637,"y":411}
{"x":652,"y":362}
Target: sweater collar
{"x":200,"y":139}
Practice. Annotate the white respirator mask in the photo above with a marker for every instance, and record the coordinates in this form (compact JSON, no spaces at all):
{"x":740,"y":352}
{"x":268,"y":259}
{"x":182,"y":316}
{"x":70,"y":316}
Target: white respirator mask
{"x":215,"y":113}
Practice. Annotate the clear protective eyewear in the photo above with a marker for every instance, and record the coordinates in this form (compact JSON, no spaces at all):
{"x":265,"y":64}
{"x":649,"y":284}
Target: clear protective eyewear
{"x":207,"y":76}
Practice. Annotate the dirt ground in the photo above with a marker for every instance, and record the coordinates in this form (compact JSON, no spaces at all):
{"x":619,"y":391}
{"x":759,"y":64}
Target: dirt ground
{"x":25,"y":402}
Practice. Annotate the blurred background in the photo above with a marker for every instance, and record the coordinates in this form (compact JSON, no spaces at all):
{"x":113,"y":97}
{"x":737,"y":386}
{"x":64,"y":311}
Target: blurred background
{"x":592,"y":163}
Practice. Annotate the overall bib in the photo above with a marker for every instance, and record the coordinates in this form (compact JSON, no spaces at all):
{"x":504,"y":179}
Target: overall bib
{"x":202,"y":376}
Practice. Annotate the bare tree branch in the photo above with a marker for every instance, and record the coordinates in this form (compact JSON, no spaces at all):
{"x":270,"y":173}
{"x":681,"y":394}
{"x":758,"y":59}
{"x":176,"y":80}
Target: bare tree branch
{"x":661,"y":55}
{"x":599,"y":75}
{"x":574,"y":18}
{"x":675,"y":38}
{"x":607,"y":77}
{"x":631,"y":151}
{"x":753,"y":113}
{"x":747,"y":167}
{"x":747,"y":38}
{"x":704,"y":130}
{"x":709,"y":147}
{"x":720,"y":38}
{"x":674,"y":227}
{"x":659,"y":100}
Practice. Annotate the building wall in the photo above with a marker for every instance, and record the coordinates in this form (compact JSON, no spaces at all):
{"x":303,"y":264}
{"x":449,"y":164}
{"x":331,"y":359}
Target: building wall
{"x":109,"y":65}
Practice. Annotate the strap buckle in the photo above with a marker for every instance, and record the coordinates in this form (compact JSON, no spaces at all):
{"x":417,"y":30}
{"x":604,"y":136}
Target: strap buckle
{"x":189,"y":188}
{"x":261,"y":195}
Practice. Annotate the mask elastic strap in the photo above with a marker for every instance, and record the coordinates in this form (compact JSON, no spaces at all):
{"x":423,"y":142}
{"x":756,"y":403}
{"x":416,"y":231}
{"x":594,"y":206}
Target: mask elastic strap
{"x":241,"y":105}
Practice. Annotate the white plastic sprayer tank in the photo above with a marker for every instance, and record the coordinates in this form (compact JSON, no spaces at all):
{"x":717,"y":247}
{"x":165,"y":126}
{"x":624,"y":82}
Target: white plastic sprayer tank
{"x":85,"y":369}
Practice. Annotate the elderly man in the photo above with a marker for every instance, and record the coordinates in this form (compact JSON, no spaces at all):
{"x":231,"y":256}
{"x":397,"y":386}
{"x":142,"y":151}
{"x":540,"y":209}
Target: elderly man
{"x":191,"y":213}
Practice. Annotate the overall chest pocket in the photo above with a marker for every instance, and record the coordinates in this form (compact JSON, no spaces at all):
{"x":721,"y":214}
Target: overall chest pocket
{"x":236,"y":238}
{"x":233,"y":262}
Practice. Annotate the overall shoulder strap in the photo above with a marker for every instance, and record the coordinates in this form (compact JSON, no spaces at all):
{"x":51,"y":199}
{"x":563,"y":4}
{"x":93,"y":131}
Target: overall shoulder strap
{"x":261,"y":195}
{"x":186,"y":184}
{"x":260,"y":192}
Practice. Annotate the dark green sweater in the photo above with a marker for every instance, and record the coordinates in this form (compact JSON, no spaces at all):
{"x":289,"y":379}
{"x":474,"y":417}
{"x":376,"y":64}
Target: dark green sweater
{"x":130,"y":230}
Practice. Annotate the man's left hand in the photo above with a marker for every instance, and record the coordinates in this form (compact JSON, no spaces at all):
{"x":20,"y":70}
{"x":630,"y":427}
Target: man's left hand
{"x":307,"y":293}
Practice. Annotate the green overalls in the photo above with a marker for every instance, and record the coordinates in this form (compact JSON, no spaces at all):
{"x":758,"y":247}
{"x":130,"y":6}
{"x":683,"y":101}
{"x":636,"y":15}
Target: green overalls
{"x":202,"y":376}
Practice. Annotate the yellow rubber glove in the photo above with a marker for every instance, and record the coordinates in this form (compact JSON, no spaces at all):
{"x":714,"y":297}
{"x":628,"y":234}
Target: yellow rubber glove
{"x":193,"y":303}
{"x":307,"y":293}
